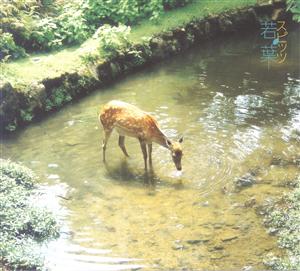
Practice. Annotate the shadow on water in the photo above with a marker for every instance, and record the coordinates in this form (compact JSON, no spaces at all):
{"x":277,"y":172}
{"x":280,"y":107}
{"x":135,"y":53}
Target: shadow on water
{"x":122,"y":173}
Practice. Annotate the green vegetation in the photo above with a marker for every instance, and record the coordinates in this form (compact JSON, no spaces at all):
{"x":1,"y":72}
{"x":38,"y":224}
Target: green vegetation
{"x":43,"y":65}
{"x":113,"y":39}
{"x":8,"y":47}
{"x":59,"y":97}
{"x":23,"y":226}
{"x":45,"y":25}
{"x":283,"y":219}
{"x":294,"y":7}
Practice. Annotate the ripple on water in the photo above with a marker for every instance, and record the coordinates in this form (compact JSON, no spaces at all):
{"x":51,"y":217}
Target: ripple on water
{"x":67,"y":256}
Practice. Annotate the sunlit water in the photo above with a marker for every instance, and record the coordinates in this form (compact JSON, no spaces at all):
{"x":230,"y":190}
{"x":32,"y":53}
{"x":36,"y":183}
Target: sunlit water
{"x":235,"y":116}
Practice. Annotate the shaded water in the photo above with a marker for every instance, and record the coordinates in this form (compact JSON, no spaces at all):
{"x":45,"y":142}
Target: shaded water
{"x":236,"y":117}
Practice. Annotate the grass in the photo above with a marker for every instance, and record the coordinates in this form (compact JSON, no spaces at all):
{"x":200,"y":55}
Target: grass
{"x":24,"y":227}
{"x":39,"y":66}
{"x":198,"y":9}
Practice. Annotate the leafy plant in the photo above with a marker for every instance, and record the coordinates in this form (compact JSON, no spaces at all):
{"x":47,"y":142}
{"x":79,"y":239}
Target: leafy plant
{"x":73,"y":27}
{"x":23,"y":226}
{"x":45,"y":35}
{"x":26,"y":115}
{"x":59,"y":97}
{"x":49,"y":24}
{"x":294,"y":7}
{"x":112,"y":39}
{"x":88,"y":58}
{"x":8,"y":47}
{"x":22,"y":175}
{"x":114,"y":12}
{"x":283,"y":219}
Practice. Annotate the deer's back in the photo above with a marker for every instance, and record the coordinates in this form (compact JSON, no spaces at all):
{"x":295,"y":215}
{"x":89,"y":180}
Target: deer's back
{"x":127,"y":119}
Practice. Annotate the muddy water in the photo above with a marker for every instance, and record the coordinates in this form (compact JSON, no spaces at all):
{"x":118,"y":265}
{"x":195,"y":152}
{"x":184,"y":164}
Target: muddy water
{"x":236,"y":116}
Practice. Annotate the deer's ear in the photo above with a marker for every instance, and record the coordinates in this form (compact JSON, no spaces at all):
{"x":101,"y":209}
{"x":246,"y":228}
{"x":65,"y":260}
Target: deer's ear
{"x":180,"y":140}
{"x":168,"y":142}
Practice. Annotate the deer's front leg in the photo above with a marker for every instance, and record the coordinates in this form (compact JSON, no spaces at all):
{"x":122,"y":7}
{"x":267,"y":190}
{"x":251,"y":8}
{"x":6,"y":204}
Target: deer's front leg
{"x":107,"y":134}
{"x":122,"y":145}
{"x":150,"y":153}
{"x":144,"y":150}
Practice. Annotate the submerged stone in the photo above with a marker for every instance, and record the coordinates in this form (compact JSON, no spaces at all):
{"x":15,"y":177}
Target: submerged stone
{"x":250,"y":202}
{"x":197,"y":241}
{"x":229,"y":238}
{"x":218,"y":247}
{"x":246,"y":180}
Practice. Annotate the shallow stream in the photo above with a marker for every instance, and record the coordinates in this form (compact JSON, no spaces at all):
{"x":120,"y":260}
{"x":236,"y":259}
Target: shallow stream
{"x":238,"y":119}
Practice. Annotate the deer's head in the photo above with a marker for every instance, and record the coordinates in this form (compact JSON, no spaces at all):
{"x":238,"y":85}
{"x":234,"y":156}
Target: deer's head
{"x":176,"y":152}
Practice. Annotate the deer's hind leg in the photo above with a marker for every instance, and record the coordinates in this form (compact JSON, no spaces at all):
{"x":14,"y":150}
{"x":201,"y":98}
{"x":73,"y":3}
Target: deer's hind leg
{"x":122,"y":145}
{"x":107,"y":134}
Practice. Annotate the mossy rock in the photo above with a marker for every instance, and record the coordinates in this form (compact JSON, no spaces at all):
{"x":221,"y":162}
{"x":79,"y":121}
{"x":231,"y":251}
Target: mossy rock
{"x":9,"y":107}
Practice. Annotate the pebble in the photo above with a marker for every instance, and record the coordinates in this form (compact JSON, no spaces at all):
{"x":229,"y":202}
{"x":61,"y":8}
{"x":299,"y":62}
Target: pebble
{"x":250,"y":202}
{"x":218,"y":247}
{"x":71,"y":122}
{"x":197,"y":241}
{"x":245,"y":181}
{"x":36,"y":59}
{"x":229,"y":238}
{"x":178,"y":247}
{"x":53,"y":177}
{"x":247,"y":268}
{"x":205,"y":204}
{"x":53,"y":165}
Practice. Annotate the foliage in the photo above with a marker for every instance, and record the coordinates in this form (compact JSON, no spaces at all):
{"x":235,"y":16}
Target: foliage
{"x":11,"y":127}
{"x":44,"y":35}
{"x":294,"y":7}
{"x":18,"y":17}
{"x":22,"y":175}
{"x":59,"y":97}
{"x":112,"y":40}
{"x":72,"y":25}
{"x":49,"y":24}
{"x":127,"y":12}
{"x":26,"y":115}
{"x":23,"y":226}
{"x":8,"y":47}
{"x":67,"y":28}
{"x":170,"y":4}
{"x":283,"y":218}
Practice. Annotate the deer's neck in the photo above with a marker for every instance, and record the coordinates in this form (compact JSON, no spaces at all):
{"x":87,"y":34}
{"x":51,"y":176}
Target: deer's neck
{"x":160,"y":138}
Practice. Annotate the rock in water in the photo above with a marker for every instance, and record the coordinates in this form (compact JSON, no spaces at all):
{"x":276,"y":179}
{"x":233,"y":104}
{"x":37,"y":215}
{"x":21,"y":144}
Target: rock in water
{"x":245,"y":181}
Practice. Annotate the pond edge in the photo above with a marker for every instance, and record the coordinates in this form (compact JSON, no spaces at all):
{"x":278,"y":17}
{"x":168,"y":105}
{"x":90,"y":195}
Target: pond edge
{"x":22,"y":105}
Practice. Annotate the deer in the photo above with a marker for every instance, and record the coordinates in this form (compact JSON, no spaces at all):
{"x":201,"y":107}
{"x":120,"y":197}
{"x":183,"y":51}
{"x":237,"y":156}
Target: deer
{"x":129,"y":120}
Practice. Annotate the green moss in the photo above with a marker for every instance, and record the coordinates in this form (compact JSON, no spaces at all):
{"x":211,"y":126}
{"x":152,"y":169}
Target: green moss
{"x":23,"y":226}
{"x":283,"y":219}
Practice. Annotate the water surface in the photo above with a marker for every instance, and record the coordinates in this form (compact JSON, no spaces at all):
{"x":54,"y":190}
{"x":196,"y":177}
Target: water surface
{"x":236,"y":117}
